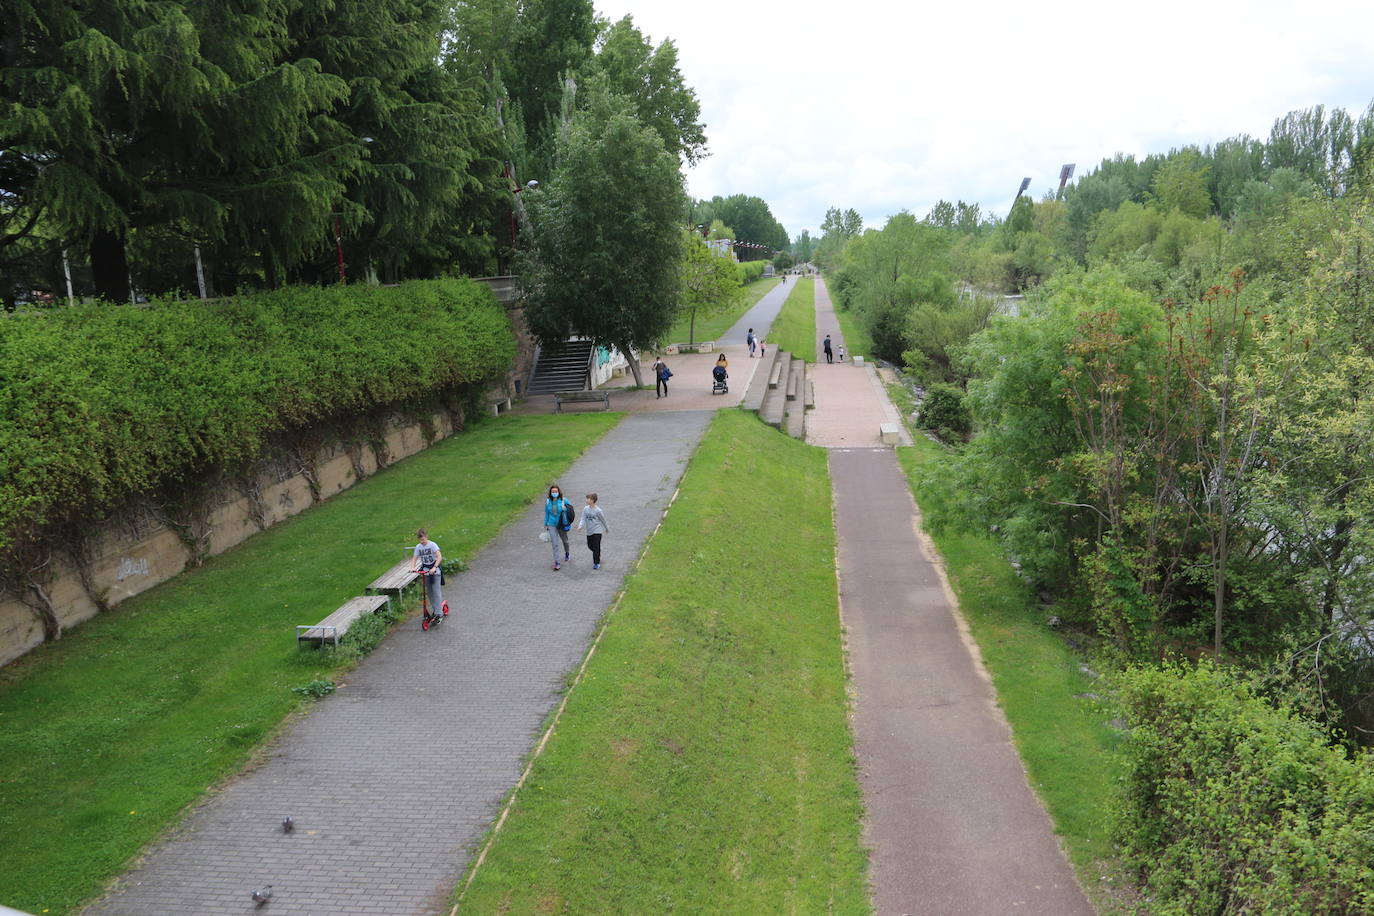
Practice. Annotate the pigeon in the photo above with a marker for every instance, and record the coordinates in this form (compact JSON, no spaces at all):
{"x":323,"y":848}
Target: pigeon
{"x":262,"y":895}
{"x":287,"y":824}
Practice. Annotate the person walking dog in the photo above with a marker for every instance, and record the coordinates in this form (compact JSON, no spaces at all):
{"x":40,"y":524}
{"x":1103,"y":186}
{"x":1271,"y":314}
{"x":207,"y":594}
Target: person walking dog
{"x":558,"y":518}
{"x":595,"y":522}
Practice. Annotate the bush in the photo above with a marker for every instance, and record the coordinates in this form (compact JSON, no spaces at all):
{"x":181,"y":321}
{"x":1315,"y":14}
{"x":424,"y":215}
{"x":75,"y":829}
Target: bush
{"x":749,"y":271}
{"x":1234,"y":806}
{"x":944,"y":410}
{"x":101,"y":403}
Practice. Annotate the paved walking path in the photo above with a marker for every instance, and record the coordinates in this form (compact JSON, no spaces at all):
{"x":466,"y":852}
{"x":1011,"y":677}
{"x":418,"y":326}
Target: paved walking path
{"x":761,"y":316}
{"x":690,"y":386}
{"x":951,"y":822}
{"x":393,"y":780}
{"x":851,"y":402}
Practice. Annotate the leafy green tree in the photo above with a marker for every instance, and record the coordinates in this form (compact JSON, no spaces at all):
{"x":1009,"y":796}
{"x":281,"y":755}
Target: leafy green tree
{"x":710,"y":283}
{"x":650,"y":78}
{"x":837,"y":229}
{"x":942,"y":215}
{"x":887,"y":273}
{"x":605,"y":256}
{"x":1181,"y":184}
{"x":553,"y":40}
{"x":752,"y":221}
{"x":804,"y":246}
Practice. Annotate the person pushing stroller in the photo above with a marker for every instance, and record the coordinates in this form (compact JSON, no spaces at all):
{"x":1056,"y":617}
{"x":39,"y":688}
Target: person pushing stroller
{"x":720,"y":375}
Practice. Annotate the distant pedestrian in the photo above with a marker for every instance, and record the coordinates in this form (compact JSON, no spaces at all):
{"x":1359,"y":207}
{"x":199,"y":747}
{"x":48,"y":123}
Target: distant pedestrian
{"x":841,"y":352}
{"x":594,"y":520}
{"x":661,"y":375}
{"x":558,"y":518}
{"x":763,"y":348}
{"x":829,"y":353}
{"x":751,"y":341}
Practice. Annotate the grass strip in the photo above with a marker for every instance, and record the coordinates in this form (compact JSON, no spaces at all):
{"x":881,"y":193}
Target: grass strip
{"x":704,"y":762}
{"x":711,"y":327}
{"x":1062,"y":736}
{"x":106,"y":735}
{"x":794,"y":330}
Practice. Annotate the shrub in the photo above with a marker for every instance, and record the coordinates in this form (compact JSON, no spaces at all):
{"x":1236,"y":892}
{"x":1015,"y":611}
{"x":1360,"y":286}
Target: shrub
{"x":101,"y":403}
{"x":1235,"y":806}
{"x":944,"y":410}
{"x":749,"y":271}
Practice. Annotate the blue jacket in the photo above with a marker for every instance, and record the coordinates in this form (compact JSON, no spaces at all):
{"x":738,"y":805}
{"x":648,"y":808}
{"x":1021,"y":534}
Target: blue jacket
{"x":552,"y":507}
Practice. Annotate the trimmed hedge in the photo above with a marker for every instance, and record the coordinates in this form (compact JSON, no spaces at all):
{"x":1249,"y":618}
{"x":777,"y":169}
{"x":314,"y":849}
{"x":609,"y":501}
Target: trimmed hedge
{"x":749,"y":271}
{"x":100,"y":403}
{"x":1234,"y":806}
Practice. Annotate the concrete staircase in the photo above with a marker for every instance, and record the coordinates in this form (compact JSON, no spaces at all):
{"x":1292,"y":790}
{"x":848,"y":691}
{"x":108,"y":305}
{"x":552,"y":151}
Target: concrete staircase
{"x":780,"y":393}
{"x":566,"y":369}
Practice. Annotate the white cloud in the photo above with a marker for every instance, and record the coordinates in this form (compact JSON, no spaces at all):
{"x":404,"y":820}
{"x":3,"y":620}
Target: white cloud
{"x":884,"y":107}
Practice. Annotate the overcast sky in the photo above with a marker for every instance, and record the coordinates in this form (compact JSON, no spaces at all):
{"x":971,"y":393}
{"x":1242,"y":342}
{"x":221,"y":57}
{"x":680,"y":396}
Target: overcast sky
{"x":885,"y":106}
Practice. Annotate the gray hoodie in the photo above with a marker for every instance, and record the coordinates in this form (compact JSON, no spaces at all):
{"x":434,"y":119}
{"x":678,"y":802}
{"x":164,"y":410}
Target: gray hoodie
{"x":594,"y":519}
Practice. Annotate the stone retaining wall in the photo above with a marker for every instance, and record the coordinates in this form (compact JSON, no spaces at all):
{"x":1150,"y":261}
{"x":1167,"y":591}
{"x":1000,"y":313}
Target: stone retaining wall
{"x":136,"y":549}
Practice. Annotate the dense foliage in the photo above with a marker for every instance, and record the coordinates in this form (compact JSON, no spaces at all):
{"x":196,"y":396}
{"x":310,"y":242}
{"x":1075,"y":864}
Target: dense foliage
{"x":135,"y":132}
{"x":606,"y":246}
{"x":99,"y":404}
{"x":1234,"y":806}
{"x":750,"y":221}
{"x":270,"y":141}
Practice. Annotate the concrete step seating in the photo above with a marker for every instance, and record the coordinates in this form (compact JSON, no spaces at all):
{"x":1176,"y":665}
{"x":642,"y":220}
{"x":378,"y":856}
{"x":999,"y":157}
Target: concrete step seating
{"x":758,"y":385}
{"x":775,"y":404}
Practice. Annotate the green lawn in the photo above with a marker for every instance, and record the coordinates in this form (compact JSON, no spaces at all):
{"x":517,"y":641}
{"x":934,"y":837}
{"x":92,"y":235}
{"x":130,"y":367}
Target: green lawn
{"x":711,"y":327}
{"x":106,"y":735}
{"x":704,"y":762}
{"x":1065,"y":743}
{"x":795,"y":328}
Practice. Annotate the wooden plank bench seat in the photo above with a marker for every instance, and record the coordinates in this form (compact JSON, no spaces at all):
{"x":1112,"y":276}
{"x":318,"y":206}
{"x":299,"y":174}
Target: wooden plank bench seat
{"x":580,"y":397}
{"x":333,"y":627}
{"x":394,"y":581}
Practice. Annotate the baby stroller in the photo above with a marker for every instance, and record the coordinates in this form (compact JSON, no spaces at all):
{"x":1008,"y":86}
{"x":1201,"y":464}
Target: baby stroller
{"x":719,"y":380}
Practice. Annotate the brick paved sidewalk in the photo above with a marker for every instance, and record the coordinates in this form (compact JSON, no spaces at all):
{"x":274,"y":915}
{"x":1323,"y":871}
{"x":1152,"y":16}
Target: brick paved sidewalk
{"x":851,"y":402}
{"x":395,"y":778}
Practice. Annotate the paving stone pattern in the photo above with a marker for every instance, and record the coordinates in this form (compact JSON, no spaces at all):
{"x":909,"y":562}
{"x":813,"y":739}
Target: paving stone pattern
{"x":394,"y":779}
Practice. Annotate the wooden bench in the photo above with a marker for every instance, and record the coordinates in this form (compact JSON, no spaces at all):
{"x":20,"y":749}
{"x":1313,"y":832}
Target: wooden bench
{"x":580,"y":397}
{"x":889,"y":434}
{"x":394,"y":581}
{"x":333,"y":627}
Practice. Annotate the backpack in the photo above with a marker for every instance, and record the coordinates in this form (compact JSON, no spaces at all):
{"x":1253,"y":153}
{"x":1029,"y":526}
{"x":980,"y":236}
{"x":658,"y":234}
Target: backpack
{"x":568,"y":515}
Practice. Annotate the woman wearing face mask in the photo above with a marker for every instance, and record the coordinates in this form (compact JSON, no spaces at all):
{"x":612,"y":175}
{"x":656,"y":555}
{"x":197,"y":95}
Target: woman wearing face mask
{"x":556,"y":524}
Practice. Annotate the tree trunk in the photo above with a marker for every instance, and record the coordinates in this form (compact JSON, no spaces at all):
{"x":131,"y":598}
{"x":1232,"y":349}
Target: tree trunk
{"x":634,"y":363}
{"x":692,"y":328}
{"x":110,"y":266}
{"x":1219,"y":588}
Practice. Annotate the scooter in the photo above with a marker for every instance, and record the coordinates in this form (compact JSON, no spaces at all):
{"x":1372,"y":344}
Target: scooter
{"x":426,"y":618}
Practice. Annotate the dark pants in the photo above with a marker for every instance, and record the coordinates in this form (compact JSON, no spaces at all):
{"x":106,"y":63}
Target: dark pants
{"x":594,"y":545}
{"x":661,"y":389}
{"x":829,"y":356}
